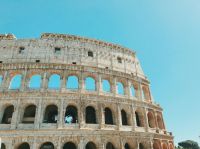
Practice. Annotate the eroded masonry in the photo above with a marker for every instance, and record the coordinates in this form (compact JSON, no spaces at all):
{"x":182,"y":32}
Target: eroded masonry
{"x":69,"y":92}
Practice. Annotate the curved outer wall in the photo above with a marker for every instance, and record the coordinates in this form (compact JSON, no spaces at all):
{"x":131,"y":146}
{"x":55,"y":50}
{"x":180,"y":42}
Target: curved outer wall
{"x":108,"y":62}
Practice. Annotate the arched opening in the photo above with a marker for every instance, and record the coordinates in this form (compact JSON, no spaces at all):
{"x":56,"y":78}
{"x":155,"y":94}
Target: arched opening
{"x":160,"y":122}
{"x":90,"y":84}
{"x":171,"y":146}
{"x":54,"y":82}
{"x":90,"y":115}
{"x":24,"y":146}
{"x":132,"y":89}
{"x":51,"y":114}
{"x":90,"y":145}
{"x":35,"y":82}
{"x":138,"y":118}
{"x":47,"y":145}
{"x":108,"y":117}
{"x":120,"y":88}
{"x":124,"y":118}
{"x":164,"y":146}
{"x":156,"y":145}
{"x":16,"y":82}
{"x":126,"y":146}
{"x":1,"y":80}
{"x":109,"y":145}
{"x":145,"y":93}
{"x":7,"y":116}
{"x":72,"y":82}
{"x":29,"y":114}
{"x":151,"y":120}
{"x":71,"y":115}
{"x":90,"y":53}
{"x":69,"y":145}
{"x":141,"y":146}
{"x":106,"y":86}
{"x":3,"y":146}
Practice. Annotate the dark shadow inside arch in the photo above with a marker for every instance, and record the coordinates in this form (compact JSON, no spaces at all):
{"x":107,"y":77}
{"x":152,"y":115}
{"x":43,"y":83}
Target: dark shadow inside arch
{"x":69,"y":145}
{"x":3,"y":146}
{"x":126,"y":146}
{"x":29,"y":114}
{"x":109,"y":145}
{"x":138,"y":120}
{"x":47,"y":145}
{"x":108,"y":117}
{"x":141,"y":146}
{"x":90,"y":115}
{"x":24,"y":146}
{"x":90,"y":145}
{"x":71,"y":115}
{"x":7,"y":116}
{"x":51,"y":114}
{"x":124,"y":117}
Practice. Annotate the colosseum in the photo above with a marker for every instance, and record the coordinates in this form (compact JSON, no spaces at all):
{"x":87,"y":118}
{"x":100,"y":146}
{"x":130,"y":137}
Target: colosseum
{"x":69,"y":92}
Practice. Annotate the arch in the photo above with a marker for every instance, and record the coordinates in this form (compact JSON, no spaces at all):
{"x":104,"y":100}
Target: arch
{"x":160,"y":122}
{"x":71,"y":115}
{"x":3,"y":146}
{"x":127,"y":146}
{"x":7,"y":116}
{"x":72,"y":82}
{"x":51,"y":114}
{"x":24,"y":146}
{"x":141,"y":146}
{"x":156,"y":145}
{"x":54,"y":82}
{"x":171,"y":146}
{"x":108,"y":116}
{"x":90,"y":145}
{"x":15,"y":82}
{"x":124,"y":117}
{"x":29,"y":114}
{"x":133,"y":92}
{"x":106,"y":86}
{"x":90,"y":84}
{"x":109,"y":145}
{"x":120,"y":88}
{"x":47,"y":145}
{"x":164,"y":146}
{"x":138,"y":117}
{"x":35,"y":81}
{"x":90,"y":115}
{"x":145,"y":93}
{"x":1,"y":80}
{"x":69,"y":145}
{"x":151,"y":120}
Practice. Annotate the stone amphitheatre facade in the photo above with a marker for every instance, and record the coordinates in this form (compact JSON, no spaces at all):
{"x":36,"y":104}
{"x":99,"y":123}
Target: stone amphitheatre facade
{"x":68,"y":92}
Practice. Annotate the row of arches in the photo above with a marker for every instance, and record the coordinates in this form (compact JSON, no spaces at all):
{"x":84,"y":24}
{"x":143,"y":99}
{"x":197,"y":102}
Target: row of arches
{"x":71,"y":116}
{"x":92,"y":145}
{"x":72,"y":83}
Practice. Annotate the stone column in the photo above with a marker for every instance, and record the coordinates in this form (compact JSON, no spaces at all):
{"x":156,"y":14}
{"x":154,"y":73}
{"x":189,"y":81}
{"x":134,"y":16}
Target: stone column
{"x":102,"y":116}
{"x":133,"y":117}
{"x":140,"y":91}
{"x":81,"y":83}
{"x":146,"y":120}
{"x":4,"y":81}
{"x":119,"y":116}
{"x":128,"y":89}
{"x":63,"y":81}
{"x":24,"y":81}
{"x":81,"y":144}
{"x":38,"y":114}
{"x":15,"y":115}
{"x":114,"y":86}
{"x":61,"y":117}
{"x":44,"y":82}
{"x":99,"y":84}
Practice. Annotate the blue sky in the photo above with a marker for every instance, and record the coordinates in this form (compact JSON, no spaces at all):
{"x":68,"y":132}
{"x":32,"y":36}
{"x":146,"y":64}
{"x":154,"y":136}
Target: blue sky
{"x":164,"y":34}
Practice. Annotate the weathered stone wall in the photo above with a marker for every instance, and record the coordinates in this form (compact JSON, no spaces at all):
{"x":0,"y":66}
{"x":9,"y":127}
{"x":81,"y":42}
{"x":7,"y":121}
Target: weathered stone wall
{"x":73,"y":59}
